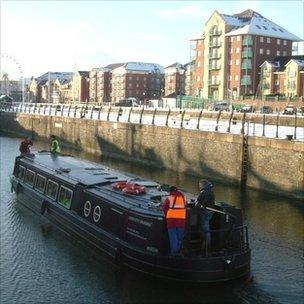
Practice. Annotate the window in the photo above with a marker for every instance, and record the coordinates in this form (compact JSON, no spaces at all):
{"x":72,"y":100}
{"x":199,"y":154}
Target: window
{"x":278,"y":41}
{"x":268,"y":40}
{"x":237,"y":61}
{"x":268,"y":52}
{"x":277,"y":82}
{"x":237,"y":50}
{"x":236,"y":77}
{"x":40,"y":183}
{"x":51,"y":189}
{"x":29,"y":177}
{"x":231,"y":39}
{"x":198,"y":64}
{"x":231,"y":51}
{"x":285,"y":42}
{"x":238,"y":38}
{"x":274,"y":29}
{"x":281,"y":30}
{"x":65,"y":197}
{"x":261,"y":51}
{"x":230,"y":62}
{"x":265,"y":28}
{"x":258,"y":28}
{"x":198,"y":78}
{"x":130,"y":78}
{"x":261,"y":39}
{"x":284,"y":53}
{"x":130,"y":85}
{"x":199,"y":53}
{"x":96,"y":214}
{"x":278,"y":53}
{"x":230,"y":77}
{"x":21,"y":172}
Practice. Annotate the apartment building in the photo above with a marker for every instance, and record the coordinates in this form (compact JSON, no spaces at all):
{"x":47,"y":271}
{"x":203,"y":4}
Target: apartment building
{"x":175,"y":79}
{"x":41,"y":89}
{"x":232,"y":48}
{"x":80,"y":87}
{"x":189,"y":69}
{"x":99,"y":85}
{"x":139,"y":80}
{"x":283,"y":75}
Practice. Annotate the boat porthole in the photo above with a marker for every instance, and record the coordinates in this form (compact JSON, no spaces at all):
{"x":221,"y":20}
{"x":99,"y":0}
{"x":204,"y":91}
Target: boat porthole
{"x":96,"y":214}
{"x":87,"y":208}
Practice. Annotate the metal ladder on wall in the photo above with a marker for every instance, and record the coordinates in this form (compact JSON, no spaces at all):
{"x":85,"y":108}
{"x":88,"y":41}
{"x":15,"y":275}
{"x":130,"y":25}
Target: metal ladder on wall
{"x":244,"y":162}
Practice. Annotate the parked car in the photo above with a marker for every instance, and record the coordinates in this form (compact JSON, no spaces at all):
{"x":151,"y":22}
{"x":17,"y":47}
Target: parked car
{"x":290,"y":110}
{"x":130,"y":102}
{"x":221,"y":106}
{"x":247,"y":109}
{"x":266,"y":110}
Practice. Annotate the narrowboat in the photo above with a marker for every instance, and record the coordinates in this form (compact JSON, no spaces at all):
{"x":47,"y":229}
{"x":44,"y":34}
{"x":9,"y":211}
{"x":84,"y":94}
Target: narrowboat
{"x":120,"y":216}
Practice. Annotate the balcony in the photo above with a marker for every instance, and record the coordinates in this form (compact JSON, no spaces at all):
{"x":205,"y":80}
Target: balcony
{"x":215,"y":33}
{"x":215,"y":44}
{"x":214,"y":56}
{"x":247,"y":54}
{"x":247,"y":41}
{"x":246,"y":66}
{"x":214,"y":67}
{"x":245,"y":81}
{"x":214,"y":82}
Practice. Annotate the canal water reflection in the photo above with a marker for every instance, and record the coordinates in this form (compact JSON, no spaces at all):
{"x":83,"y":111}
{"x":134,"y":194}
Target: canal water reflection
{"x":40,"y":264}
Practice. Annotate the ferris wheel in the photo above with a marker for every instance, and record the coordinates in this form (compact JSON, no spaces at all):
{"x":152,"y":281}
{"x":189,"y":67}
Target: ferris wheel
{"x":11,"y":58}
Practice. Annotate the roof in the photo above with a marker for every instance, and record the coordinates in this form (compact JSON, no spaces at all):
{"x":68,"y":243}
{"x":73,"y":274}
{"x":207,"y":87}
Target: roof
{"x":141,"y":67}
{"x":251,"y":22}
{"x":113,"y":66}
{"x":298,"y":62}
{"x":97,"y":178}
{"x":53,"y":76}
{"x":279,"y":62}
{"x":175,"y":65}
{"x":84,"y":73}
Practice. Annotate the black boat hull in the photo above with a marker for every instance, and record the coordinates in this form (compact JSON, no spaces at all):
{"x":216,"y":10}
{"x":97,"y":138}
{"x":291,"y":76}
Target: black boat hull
{"x":198,"y":270}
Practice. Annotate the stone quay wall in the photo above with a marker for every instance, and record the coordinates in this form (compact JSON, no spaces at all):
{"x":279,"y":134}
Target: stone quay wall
{"x":274,"y":165}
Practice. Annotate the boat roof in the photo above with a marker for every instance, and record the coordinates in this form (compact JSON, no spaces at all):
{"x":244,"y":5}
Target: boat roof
{"x":97,"y":178}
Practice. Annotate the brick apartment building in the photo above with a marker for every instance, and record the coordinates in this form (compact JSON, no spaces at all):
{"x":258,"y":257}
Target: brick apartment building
{"x":230,"y":51}
{"x":48,"y":85}
{"x":100,"y":85}
{"x":80,"y":87}
{"x":175,"y":79}
{"x":136,"y":80}
{"x":283,"y":75}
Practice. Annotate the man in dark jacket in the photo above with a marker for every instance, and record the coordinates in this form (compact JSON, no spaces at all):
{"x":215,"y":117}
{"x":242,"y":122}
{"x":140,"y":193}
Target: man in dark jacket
{"x":205,"y":199}
{"x":25,"y":145}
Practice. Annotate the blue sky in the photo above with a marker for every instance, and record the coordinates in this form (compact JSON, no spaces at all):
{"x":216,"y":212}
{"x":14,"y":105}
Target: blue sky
{"x":53,"y":35}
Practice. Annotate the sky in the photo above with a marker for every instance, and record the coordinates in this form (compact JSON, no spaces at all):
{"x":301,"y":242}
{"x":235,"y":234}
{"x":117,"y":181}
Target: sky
{"x":43,"y":36}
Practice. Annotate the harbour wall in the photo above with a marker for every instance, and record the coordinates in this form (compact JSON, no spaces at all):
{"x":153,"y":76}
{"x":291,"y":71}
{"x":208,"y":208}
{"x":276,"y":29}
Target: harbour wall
{"x":274,"y":165}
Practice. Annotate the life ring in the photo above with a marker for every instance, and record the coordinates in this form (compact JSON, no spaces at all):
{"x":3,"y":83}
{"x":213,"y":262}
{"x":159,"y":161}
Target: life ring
{"x":120,"y":185}
{"x":132,"y":188}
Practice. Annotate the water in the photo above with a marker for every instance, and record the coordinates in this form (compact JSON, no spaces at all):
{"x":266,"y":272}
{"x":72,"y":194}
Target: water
{"x":41,"y":264}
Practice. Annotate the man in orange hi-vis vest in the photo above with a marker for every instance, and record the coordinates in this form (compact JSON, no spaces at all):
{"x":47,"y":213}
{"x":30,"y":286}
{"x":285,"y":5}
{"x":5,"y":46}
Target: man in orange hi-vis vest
{"x":174,"y":208}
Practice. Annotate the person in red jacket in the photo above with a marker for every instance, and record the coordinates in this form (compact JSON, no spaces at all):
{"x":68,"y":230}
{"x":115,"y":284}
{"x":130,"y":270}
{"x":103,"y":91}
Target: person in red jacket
{"x":174,"y":208}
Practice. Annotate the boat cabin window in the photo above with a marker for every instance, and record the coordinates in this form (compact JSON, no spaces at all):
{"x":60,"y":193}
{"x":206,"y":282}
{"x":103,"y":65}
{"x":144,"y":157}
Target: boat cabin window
{"x":40,"y":183}
{"x":29,"y":177}
{"x":65,"y":197}
{"x":21,"y":172}
{"x":51,"y":189}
